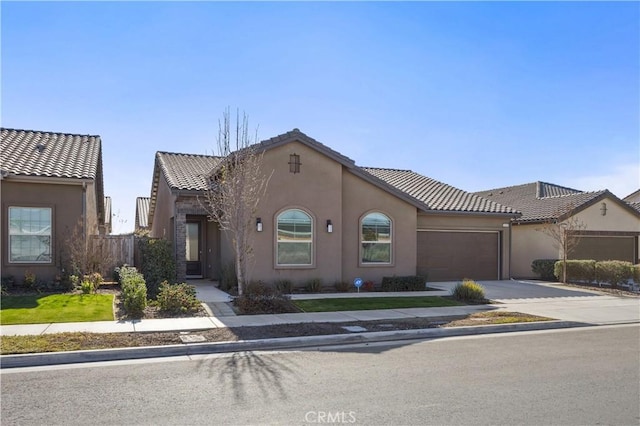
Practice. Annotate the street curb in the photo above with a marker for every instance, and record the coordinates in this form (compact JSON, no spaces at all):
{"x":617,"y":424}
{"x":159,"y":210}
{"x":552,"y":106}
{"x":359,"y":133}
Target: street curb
{"x":100,"y":355}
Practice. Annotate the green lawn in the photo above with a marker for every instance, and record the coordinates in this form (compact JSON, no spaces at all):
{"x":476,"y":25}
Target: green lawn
{"x":39,"y":309}
{"x":366,"y":303}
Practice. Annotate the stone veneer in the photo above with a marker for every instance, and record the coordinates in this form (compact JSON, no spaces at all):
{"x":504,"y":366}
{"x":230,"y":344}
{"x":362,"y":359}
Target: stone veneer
{"x":184,"y":206}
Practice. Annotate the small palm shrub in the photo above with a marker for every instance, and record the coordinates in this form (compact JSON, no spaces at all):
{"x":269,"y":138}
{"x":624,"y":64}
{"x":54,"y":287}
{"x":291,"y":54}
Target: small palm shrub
{"x":342,"y":286}
{"x":177,"y":298}
{"x":284,"y":286}
{"x":468,"y":291}
{"x":314,"y":285}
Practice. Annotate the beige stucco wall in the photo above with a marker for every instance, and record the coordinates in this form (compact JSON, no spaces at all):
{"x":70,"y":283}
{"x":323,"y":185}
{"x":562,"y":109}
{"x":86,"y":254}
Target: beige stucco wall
{"x":359,"y":198}
{"x":164,"y":211}
{"x":529,"y":244}
{"x":92,"y":209}
{"x":465,"y":222}
{"x":66,"y":204}
{"x":327,"y":191}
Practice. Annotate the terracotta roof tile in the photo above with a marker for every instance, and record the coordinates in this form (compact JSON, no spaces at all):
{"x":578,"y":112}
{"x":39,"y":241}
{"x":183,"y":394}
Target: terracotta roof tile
{"x":142,"y":212}
{"x":437,"y":195}
{"x":186,"y":171}
{"x":540,"y":201}
{"x":36,"y":153}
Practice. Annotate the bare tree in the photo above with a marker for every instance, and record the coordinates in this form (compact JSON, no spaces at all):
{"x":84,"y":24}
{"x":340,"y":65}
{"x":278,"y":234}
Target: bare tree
{"x":236,"y":186}
{"x":565,"y":235}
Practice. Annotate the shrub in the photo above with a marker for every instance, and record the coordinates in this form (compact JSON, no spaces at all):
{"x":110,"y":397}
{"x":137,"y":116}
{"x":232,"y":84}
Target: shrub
{"x":614,"y":272}
{"x":177,"y":298}
{"x":468,"y":290}
{"x":314,"y":285}
{"x":544,"y":268}
{"x":408,"y":283}
{"x":284,"y":286}
{"x":157,"y":263}
{"x":134,"y":291}
{"x":87,"y":287}
{"x":636,"y":273}
{"x":577,"y":270}
{"x":29,"y":279}
{"x":260,"y":299}
{"x":342,"y":286}
{"x":95,"y":279}
{"x":228,"y":278}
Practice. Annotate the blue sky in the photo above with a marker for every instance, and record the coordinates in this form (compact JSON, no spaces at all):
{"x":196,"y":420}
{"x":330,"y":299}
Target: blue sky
{"x":476,"y":95}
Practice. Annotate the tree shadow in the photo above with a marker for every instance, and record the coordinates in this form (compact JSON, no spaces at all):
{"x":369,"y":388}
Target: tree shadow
{"x":246,"y":370}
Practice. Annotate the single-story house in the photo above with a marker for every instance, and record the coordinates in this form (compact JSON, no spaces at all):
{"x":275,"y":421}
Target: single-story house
{"x":633,"y":199}
{"x":611,"y":225}
{"x":325,"y":217}
{"x":142,"y":214}
{"x":50,"y":184}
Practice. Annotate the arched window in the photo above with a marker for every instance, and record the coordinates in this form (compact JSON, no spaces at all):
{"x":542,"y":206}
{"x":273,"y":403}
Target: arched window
{"x":375,"y":236}
{"x":295,"y":238}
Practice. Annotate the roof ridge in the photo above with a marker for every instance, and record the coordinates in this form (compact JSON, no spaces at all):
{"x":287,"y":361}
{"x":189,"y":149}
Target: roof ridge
{"x":187,"y":154}
{"x":387,"y":168}
{"x":48,"y":132}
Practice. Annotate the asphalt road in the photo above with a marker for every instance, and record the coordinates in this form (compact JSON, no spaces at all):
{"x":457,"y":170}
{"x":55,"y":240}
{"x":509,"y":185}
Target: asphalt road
{"x":576,"y":376}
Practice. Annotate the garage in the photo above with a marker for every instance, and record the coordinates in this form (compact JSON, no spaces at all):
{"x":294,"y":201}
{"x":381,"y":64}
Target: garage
{"x":453,"y":255}
{"x":605,"y":248}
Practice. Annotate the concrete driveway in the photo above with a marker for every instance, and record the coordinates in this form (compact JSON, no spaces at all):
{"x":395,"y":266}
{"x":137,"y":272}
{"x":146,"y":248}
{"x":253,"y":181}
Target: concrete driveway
{"x":512,"y":289}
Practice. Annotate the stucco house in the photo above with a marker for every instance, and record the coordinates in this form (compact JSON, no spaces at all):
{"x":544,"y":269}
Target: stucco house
{"x":611,"y":225}
{"x":50,"y":182}
{"x":325,"y":217}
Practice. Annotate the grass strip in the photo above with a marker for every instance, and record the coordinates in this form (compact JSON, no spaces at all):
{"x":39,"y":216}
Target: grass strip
{"x":42,"y":309}
{"x":368,"y":303}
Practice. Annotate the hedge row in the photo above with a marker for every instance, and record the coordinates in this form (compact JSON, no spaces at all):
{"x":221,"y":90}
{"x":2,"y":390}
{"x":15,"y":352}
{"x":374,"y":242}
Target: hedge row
{"x":408,"y":283}
{"x":134,"y":290}
{"x":611,"y":272}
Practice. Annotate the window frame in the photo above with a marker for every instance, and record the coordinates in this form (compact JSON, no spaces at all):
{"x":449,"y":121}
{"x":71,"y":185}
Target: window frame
{"x":311,"y":243}
{"x":361,"y":241}
{"x":10,"y":236}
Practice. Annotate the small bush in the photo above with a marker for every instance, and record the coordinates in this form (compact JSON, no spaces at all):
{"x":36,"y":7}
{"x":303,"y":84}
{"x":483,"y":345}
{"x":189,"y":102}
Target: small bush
{"x":468,"y":291}
{"x":30,"y":279}
{"x":314,"y":285}
{"x":260,"y":299}
{"x":228,"y":278}
{"x":614,"y":272}
{"x":408,"y":283}
{"x":342,"y":286}
{"x":177,"y":298}
{"x":544,"y":268}
{"x":636,"y":273}
{"x":284,"y":286}
{"x":87,"y":287}
{"x":577,"y":270}
{"x":157,"y":263}
{"x":134,"y":291}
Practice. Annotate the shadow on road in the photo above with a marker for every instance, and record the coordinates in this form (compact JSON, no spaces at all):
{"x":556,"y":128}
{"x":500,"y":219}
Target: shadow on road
{"x":242,"y":372}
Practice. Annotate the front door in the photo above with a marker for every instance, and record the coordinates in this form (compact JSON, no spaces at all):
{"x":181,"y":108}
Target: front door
{"x":194,"y":250}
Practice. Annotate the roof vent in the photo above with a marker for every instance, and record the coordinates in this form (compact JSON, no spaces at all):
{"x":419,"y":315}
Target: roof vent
{"x":40,"y":147}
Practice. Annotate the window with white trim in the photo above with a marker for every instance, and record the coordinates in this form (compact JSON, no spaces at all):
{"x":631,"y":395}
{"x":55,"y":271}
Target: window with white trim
{"x":375,"y":237}
{"x":294,"y":238}
{"x":30,"y":234}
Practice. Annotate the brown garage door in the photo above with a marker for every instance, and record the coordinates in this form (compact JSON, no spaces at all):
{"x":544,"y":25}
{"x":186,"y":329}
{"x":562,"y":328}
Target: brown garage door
{"x":605,"y":248}
{"x":447,"y":256}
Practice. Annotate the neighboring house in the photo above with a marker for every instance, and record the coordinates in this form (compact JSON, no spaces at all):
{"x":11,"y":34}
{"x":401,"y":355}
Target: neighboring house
{"x":142,"y":214}
{"x":611,"y":233}
{"x":324,"y":217}
{"x":633,"y":200}
{"x":108,"y":224}
{"x":51,"y":183}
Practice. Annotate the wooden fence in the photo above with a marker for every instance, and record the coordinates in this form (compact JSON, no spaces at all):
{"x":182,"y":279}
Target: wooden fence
{"x":113,"y":251}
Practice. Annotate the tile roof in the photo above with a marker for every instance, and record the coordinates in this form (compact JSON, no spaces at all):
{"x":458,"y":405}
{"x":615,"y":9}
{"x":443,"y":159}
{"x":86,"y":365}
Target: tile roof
{"x":437,"y":196}
{"x":542,"y":201}
{"x":186,"y":172}
{"x":36,"y":153}
{"x":635,"y":206}
{"x":634,"y":197}
{"x":107,"y":213}
{"x":142,"y":212}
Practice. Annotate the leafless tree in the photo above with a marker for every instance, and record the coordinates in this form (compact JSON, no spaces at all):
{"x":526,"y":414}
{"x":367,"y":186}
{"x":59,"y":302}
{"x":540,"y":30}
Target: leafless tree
{"x":236,"y":186}
{"x":565,"y":234}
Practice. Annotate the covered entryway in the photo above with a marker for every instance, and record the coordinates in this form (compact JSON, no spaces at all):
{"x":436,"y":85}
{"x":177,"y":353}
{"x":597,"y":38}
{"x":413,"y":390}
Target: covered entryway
{"x":606,"y":248}
{"x":454,"y":255}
